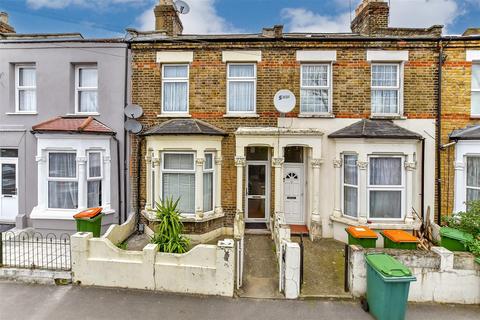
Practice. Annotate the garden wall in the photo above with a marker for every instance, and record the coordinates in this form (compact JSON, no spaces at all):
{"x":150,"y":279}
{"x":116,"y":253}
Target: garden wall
{"x":442,"y":276}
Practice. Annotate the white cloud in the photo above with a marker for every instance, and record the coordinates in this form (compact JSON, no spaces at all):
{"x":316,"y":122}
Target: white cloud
{"x":202,"y":19}
{"x":403,"y":13}
{"x":59,"y":4}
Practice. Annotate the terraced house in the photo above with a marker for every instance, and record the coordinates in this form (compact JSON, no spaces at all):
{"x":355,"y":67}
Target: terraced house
{"x":358,"y":148}
{"x":61,"y":128}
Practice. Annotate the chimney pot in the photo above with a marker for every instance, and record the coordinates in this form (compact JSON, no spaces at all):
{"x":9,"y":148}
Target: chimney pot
{"x":4,"y":17}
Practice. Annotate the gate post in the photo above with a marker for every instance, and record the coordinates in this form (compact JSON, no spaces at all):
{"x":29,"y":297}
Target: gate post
{"x":292,"y":270}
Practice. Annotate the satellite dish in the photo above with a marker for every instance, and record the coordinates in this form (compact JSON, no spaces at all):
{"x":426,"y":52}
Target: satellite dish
{"x":133,"y":111}
{"x":182,"y":7}
{"x":284,"y":101}
{"x":133,"y":126}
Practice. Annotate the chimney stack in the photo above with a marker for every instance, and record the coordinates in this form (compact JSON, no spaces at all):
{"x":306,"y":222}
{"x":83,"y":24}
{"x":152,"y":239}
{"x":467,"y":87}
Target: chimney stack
{"x":371,"y":16}
{"x":4,"y":26}
{"x":167,"y":19}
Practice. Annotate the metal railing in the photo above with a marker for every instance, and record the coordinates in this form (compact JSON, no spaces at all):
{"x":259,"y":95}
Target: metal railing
{"x":35,"y":251}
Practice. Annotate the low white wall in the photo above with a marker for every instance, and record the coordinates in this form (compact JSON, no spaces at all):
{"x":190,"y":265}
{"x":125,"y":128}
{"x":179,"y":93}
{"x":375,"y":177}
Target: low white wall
{"x":442,"y":276}
{"x":206,"y":269}
{"x":117,"y":234}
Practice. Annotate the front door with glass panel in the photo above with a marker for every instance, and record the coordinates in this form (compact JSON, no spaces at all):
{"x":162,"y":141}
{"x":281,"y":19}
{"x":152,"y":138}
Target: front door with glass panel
{"x":8,"y":185}
{"x":257,"y":192}
{"x":293,"y":193}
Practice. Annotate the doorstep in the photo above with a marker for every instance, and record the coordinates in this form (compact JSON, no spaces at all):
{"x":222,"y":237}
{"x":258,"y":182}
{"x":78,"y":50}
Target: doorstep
{"x":297,"y":229}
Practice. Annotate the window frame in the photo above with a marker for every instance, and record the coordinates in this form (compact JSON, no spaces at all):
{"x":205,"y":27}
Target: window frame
{"x":476,"y":90}
{"x":212,"y":171}
{"x":79,"y":89}
{"x":100,"y":178}
{"x":398,"y":88}
{"x":401,"y":187}
{"x":58,"y":179}
{"x":175,"y":80}
{"x":343,"y":185}
{"x":153,"y":181}
{"x":329,"y":88}
{"x":19,"y":88}
{"x":466,"y":177}
{"x":243,"y":79}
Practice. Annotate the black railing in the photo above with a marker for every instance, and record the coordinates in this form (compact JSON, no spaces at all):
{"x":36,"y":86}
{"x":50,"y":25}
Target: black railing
{"x":35,"y":251}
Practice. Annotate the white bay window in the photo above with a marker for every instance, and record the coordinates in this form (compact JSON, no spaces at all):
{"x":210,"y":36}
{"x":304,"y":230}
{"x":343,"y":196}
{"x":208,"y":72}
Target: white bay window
{"x":241,"y":88}
{"x":26,"y":89}
{"x":175,"y":88}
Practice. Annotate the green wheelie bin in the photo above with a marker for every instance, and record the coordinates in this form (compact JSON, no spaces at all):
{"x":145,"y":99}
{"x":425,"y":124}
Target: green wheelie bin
{"x":388,"y":283}
{"x":90,"y":220}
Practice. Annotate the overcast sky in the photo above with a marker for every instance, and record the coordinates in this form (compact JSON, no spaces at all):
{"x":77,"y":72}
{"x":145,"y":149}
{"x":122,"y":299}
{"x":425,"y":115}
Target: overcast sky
{"x":106,"y":18}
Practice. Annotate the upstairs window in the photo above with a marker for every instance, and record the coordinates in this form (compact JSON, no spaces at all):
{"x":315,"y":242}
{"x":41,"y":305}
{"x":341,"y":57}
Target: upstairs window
{"x":26,"y":89}
{"x":175,"y":88}
{"x":315,"y":88}
{"x":241,"y":95}
{"x":476,"y":89}
{"x":385,"y":89}
{"x":86,"y":89}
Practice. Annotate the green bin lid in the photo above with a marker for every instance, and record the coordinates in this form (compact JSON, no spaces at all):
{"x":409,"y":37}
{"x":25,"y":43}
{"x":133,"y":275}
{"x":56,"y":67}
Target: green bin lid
{"x":387,"y":265}
{"x":455,"y":234}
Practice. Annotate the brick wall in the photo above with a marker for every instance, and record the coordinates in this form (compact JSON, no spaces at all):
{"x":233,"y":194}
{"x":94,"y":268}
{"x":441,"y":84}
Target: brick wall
{"x":277,"y":70}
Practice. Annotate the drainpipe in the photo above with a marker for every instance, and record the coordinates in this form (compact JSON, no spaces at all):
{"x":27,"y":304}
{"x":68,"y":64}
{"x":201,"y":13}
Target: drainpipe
{"x":119,"y":184}
{"x":125,"y":138}
{"x":439,"y":132}
{"x":422,"y":205}
{"x":139,"y":167}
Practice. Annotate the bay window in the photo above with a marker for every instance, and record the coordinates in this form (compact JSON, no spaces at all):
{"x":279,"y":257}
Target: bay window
{"x":94,"y":180}
{"x":350,"y":185}
{"x":315,"y":88}
{"x":26,"y":88}
{"x":62,"y":180}
{"x":208,"y":169}
{"x":178,"y":180}
{"x":385,"y":87}
{"x":86,"y":89}
{"x":473,"y":179}
{"x":475,"y":111}
{"x":241,"y":88}
{"x":175,"y":88}
{"x":385,"y":187}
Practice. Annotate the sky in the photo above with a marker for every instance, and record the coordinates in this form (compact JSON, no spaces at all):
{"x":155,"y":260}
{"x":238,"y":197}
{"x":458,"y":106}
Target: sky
{"x":110,"y":18}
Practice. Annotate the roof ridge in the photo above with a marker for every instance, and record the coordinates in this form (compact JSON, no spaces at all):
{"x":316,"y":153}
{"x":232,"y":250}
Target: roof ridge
{"x":85,"y":123}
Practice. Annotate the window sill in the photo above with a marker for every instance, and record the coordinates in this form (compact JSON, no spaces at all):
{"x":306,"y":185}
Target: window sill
{"x":33,"y":113}
{"x":316,"y":115}
{"x":388,"y":117}
{"x":379,"y":225}
{"x":475,"y":116}
{"x":174,"y":115}
{"x":59,"y":214}
{"x":241,"y":115}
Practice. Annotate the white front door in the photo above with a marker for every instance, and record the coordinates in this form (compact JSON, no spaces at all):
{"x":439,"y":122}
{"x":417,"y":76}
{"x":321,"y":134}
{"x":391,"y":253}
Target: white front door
{"x":293,"y":193}
{"x":8,"y":189}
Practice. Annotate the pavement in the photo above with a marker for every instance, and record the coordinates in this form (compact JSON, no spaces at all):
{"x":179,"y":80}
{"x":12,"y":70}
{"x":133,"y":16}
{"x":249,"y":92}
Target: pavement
{"x":37,"y":302}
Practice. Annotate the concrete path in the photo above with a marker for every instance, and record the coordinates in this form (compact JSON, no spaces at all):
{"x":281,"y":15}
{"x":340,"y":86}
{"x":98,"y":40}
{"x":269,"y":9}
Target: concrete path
{"x":260,"y":276}
{"x":35,"y":302}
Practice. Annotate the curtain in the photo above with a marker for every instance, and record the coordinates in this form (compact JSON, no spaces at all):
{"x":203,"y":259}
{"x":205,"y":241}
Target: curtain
{"x":207,"y":191}
{"x":241,"y":96}
{"x":384,"y":101}
{"x":27,"y":77}
{"x":384,"y":75}
{"x":87,"y":101}
{"x":315,"y":75}
{"x":350,"y":193}
{"x":314,"y":100}
{"x":63,"y":194}
{"x":241,"y":71}
{"x":62,"y":165}
{"x":175,"y":96}
{"x":88,"y":78}
{"x":473,"y":172}
{"x":180,"y":186}
{"x":385,"y":204}
{"x":350,"y":169}
{"x":350,"y":201}
{"x":94,"y":196}
{"x":208,"y":161}
{"x":175,"y":71}
{"x":385,"y":171}
{"x":476,"y":76}
{"x":27,"y":100}
{"x":176,"y":161}
{"x":94,"y":165}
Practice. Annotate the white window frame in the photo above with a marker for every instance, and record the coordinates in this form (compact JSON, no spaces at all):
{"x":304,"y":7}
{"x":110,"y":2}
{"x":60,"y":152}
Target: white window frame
{"x":211,"y":170}
{"x":100,"y":178}
{"x":19,"y":88}
{"x":343,"y":184}
{"x":176,"y":80}
{"x":329,"y":88}
{"x":163,"y":170}
{"x":153,"y":181}
{"x":57,"y":179}
{"x":477,"y":90}
{"x":244,"y":79}
{"x":79,"y":89}
{"x":466,"y":176}
{"x":401,"y":188}
{"x":398,"y":88}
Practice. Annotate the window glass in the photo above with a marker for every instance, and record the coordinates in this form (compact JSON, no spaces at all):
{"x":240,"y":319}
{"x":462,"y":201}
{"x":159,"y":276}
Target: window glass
{"x":315,"y":75}
{"x":257,"y":154}
{"x":26,"y":89}
{"x":178,"y":161}
{"x":180,"y":186}
{"x":384,"y":75}
{"x":386,"y":204}
{"x":208,"y":161}
{"x":62,"y":194}
{"x":315,"y":86}
{"x":473,"y":179}
{"x":175,"y":88}
{"x":207,"y":191}
{"x":385,"y":171}
{"x":241,"y":88}
{"x":350,"y":185}
{"x":9,"y":153}
{"x":87,"y":89}
{"x":94,"y":165}
{"x":175,"y":71}
{"x":385,"y":88}
{"x":62,"y":165}
{"x":8,"y":179}
{"x":88,"y":78}
{"x":27,"y":77}
{"x":293,"y":154}
{"x":94,"y":196}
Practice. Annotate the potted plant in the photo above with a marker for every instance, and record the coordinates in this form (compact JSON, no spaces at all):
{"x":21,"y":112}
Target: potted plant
{"x":168,"y":234}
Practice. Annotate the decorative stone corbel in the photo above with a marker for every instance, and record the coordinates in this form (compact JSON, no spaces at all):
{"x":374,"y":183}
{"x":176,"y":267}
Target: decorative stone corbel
{"x":362,"y":165}
{"x":337,"y":163}
{"x":240,"y":161}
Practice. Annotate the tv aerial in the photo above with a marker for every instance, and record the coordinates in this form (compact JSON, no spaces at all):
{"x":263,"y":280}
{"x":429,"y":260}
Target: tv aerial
{"x":133,"y":112}
{"x":182,"y":7}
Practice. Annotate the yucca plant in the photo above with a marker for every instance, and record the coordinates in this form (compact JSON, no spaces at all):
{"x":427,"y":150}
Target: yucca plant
{"x":168,"y":234}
